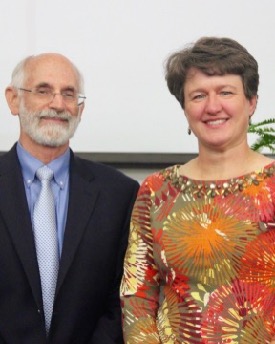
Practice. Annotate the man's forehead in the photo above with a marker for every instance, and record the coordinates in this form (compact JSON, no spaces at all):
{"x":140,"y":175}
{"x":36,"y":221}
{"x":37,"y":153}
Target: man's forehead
{"x":51,"y":69}
{"x":49,"y":58}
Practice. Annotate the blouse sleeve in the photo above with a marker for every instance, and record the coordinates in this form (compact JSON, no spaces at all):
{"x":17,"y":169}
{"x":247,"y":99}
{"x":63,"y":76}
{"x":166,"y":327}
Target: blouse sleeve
{"x":140,"y":287}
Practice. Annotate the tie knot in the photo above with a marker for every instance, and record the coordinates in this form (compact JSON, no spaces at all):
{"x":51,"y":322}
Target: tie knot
{"x":44,"y":173}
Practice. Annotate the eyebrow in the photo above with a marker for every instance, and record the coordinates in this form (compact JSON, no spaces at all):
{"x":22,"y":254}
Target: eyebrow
{"x":219,"y":87}
{"x":45,"y":84}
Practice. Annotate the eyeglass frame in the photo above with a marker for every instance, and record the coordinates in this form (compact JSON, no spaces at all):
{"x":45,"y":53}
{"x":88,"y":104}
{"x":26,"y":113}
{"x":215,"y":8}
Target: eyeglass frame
{"x":34,"y":92}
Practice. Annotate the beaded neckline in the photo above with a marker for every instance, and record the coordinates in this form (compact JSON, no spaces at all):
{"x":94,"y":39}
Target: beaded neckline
{"x":209,"y":188}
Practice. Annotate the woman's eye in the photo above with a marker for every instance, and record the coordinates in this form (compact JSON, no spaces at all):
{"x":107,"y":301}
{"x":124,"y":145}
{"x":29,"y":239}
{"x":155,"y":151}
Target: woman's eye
{"x":226,"y":93}
{"x":198,"y":96}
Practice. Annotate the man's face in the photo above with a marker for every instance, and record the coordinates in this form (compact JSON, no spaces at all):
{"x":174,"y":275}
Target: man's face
{"x":50,"y":114}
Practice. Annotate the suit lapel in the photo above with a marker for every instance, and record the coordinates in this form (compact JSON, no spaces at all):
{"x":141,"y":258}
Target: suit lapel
{"x":82,"y":200}
{"x":15,"y":213}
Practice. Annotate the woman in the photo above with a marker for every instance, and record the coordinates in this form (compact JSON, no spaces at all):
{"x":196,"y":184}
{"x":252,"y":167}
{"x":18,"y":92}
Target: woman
{"x":200,"y":265}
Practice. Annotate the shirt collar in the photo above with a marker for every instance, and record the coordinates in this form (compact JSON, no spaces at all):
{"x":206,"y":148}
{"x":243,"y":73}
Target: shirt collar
{"x":29,"y":164}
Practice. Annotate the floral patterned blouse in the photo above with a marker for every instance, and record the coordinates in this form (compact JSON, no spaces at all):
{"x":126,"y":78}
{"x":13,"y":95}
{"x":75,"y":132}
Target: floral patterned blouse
{"x":200,"y":265}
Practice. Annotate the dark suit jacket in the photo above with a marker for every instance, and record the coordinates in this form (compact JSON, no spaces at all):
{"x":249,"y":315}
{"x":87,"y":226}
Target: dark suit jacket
{"x":87,"y":307}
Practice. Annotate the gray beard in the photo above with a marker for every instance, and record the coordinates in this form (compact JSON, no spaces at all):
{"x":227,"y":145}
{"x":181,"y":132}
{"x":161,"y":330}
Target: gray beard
{"x":48,"y":134}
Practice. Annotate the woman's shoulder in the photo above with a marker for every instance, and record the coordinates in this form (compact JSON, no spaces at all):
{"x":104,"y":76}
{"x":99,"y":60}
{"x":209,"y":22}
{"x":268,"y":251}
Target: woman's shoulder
{"x":158,"y":178}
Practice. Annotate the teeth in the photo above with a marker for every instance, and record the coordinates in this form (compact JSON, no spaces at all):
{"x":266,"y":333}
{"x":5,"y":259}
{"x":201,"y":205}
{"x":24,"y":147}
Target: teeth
{"x":216,"y":122}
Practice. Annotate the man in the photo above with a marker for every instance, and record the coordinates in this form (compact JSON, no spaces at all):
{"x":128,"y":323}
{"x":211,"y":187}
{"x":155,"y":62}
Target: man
{"x":92,"y":206}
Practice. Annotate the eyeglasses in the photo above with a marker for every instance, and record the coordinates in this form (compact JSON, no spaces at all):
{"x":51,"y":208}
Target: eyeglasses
{"x":47,"y":95}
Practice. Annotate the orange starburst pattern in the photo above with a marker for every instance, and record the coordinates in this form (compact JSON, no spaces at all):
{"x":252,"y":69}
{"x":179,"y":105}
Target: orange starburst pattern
{"x":212,"y":242}
{"x":175,"y":321}
{"x":236,"y":313}
{"x":258,"y":262}
{"x":260,"y":203}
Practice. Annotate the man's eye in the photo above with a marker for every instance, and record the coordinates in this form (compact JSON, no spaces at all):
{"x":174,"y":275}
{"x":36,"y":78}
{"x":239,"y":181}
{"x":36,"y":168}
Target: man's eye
{"x":43,"y":91}
{"x":69,"y":95}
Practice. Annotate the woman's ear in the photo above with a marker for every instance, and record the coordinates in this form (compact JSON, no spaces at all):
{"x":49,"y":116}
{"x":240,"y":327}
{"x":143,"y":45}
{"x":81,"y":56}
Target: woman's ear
{"x":253,"y":105}
{"x":13,"y":100}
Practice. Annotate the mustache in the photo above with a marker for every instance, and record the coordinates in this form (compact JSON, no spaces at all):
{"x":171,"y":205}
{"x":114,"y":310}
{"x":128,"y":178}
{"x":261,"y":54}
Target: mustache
{"x":64,"y":115}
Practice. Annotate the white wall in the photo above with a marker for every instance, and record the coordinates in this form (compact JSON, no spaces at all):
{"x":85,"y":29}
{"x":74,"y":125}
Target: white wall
{"x":120,"y":46}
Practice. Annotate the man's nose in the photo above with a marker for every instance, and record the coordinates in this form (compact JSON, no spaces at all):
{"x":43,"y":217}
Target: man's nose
{"x":57,"y":102}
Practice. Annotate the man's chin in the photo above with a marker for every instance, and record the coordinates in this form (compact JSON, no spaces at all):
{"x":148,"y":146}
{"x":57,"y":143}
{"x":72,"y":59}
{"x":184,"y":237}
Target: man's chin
{"x":49,"y":135}
{"x":51,"y":140}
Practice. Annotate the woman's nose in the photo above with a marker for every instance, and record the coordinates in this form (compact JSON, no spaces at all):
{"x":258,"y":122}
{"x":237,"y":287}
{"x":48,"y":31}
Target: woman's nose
{"x":213,"y":104}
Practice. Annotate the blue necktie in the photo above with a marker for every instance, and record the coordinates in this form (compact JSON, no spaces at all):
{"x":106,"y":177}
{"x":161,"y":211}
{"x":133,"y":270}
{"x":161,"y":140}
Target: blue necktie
{"x":45,"y":235}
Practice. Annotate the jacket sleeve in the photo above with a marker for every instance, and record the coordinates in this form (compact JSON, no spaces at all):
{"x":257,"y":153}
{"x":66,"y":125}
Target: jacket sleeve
{"x":109,"y":327}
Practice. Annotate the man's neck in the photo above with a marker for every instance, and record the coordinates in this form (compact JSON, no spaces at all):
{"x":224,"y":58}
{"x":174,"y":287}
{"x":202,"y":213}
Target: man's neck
{"x":45,"y":154}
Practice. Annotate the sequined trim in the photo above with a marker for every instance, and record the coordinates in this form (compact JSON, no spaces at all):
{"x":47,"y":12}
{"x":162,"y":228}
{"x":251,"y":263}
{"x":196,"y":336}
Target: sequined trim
{"x":216,"y":188}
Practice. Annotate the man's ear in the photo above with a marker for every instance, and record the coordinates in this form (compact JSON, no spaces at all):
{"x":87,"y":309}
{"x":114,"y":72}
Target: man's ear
{"x":13,"y":100}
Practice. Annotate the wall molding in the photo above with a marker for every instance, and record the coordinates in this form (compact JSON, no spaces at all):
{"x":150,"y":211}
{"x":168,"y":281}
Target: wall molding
{"x":138,"y":160}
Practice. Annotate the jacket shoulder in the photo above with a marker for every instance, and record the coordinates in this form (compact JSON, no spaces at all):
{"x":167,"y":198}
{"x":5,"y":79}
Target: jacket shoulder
{"x":102,"y":172}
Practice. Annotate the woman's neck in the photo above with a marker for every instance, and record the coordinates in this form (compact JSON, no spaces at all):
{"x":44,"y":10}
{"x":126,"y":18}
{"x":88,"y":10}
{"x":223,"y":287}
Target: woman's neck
{"x":224,"y":165}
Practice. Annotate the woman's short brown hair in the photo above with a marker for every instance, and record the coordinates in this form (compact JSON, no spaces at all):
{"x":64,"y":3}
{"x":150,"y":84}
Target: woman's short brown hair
{"x":212,"y":56}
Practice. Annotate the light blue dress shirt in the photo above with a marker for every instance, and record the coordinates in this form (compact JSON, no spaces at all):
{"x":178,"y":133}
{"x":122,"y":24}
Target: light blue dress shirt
{"x":60,"y":186}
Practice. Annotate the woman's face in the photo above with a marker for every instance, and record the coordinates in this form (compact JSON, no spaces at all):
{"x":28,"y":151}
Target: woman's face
{"x":217,"y":109}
